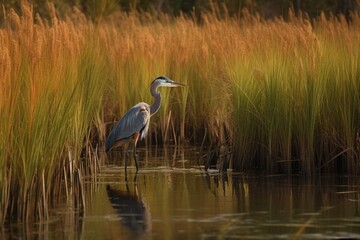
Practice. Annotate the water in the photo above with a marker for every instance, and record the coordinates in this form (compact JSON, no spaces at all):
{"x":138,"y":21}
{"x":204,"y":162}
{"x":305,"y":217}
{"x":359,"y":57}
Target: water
{"x":173,"y":198}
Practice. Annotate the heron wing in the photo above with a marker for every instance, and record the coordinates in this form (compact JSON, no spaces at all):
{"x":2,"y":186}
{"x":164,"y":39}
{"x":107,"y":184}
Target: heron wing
{"x":136,"y":120}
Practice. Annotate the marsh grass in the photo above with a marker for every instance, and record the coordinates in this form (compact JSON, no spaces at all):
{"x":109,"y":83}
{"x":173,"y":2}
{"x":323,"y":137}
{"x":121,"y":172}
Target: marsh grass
{"x":51,"y":96}
{"x":297,"y":108}
{"x":282,"y":96}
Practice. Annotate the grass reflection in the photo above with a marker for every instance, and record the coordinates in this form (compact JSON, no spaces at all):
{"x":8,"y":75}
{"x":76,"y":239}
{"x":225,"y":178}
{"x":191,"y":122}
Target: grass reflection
{"x":173,"y":198}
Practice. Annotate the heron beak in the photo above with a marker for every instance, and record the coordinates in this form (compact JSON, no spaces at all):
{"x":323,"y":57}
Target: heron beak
{"x":177,"y":84}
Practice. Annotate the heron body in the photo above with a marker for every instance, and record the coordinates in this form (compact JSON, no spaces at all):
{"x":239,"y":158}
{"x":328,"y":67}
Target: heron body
{"x":135,"y":123}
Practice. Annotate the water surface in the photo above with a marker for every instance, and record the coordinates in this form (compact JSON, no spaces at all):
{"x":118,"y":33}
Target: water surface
{"x":173,"y":198}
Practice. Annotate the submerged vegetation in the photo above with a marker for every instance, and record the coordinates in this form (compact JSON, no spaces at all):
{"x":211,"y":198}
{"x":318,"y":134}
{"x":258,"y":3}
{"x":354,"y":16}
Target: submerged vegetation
{"x":283,"y":95}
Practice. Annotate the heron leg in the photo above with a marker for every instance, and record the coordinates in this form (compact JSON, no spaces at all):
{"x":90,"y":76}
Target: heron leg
{"x":127,"y":154}
{"x":135,"y":157}
{"x":136,"y":138}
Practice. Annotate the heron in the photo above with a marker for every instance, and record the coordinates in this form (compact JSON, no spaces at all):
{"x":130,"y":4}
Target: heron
{"x":134,"y":125}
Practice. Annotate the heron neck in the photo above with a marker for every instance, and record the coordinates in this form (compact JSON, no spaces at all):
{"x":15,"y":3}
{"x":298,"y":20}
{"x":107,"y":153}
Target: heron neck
{"x":157,"y":103}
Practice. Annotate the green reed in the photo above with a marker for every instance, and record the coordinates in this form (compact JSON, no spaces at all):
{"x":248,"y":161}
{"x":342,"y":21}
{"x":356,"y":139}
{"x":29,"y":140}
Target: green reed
{"x":50,"y":98}
{"x":296,"y":110}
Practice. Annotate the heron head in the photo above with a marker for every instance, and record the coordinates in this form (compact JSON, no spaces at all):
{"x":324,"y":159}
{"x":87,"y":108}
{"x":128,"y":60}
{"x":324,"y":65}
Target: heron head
{"x":163,"y":81}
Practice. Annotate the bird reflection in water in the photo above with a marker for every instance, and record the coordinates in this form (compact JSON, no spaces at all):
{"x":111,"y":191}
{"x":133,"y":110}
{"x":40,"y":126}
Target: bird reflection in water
{"x":130,"y":208}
